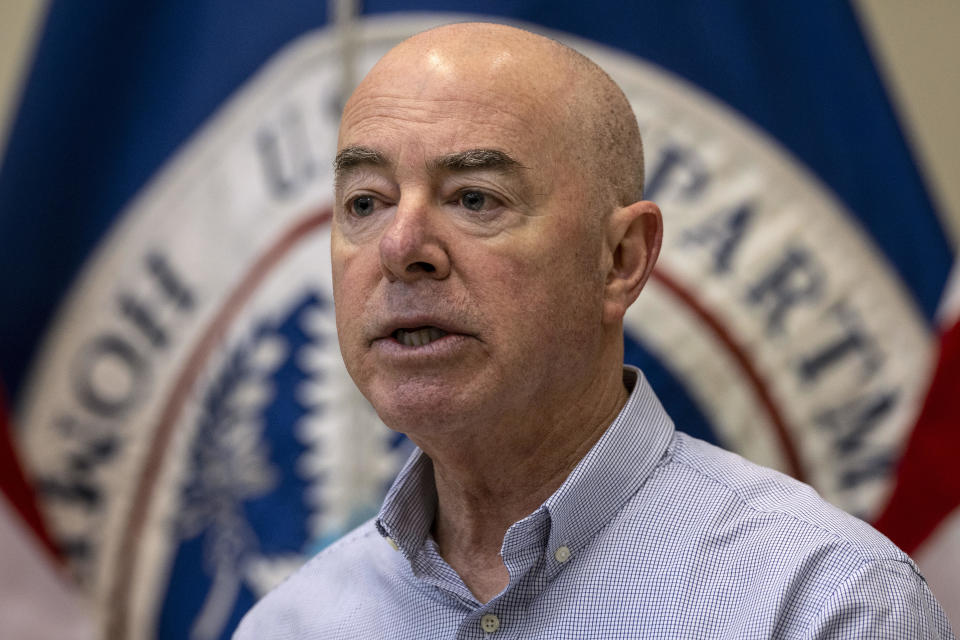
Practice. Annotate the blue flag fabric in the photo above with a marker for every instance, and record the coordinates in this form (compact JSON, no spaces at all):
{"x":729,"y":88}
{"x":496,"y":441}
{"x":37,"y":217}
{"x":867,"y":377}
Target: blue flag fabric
{"x":166,"y":183}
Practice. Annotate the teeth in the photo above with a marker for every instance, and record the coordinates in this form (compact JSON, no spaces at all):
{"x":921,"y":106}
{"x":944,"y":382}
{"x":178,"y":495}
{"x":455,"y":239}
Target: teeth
{"x":419,"y":337}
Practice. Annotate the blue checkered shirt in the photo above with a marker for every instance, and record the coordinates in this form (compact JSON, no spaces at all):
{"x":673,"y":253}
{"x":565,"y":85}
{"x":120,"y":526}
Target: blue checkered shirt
{"x":653,"y":535}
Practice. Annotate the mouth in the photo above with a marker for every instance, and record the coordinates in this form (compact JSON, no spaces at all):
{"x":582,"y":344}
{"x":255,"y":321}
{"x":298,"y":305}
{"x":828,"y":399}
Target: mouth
{"x":418,"y":337}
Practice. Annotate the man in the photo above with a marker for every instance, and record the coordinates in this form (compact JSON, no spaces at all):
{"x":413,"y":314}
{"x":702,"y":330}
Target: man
{"x":489,"y":234}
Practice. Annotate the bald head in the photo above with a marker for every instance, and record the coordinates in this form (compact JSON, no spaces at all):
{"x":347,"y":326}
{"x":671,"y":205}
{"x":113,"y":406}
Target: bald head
{"x":571,"y":102}
{"x":608,"y":129}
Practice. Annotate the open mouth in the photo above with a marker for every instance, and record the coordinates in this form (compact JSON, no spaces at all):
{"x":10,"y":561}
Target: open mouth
{"x":418,"y":337}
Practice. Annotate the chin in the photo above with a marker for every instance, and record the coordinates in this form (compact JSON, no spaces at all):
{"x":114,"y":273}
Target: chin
{"x":413,"y":406}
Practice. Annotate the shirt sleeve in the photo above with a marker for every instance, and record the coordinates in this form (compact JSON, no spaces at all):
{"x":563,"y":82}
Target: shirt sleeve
{"x":882,"y":599}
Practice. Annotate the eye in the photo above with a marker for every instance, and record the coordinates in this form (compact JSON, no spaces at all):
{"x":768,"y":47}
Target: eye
{"x":478,"y":201}
{"x":362,"y":206}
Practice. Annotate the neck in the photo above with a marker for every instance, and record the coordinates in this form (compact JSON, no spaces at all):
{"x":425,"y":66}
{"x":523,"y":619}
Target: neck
{"x":495,"y":475}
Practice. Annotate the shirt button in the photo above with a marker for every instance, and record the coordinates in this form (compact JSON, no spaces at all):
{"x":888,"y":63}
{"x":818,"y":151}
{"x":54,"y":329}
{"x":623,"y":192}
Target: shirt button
{"x":393,"y":543}
{"x":489,"y":623}
{"x":562,"y":554}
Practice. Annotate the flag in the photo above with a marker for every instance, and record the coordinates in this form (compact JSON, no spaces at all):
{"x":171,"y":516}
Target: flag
{"x":181,"y":408}
{"x":923,"y":514}
{"x":36,"y":601}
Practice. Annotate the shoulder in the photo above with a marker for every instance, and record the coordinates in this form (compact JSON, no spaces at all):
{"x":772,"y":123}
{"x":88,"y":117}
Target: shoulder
{"x":341,"y":577}
{"x":881,"y":599}
{"x":772,"y":545}
{"x":748,"y":492}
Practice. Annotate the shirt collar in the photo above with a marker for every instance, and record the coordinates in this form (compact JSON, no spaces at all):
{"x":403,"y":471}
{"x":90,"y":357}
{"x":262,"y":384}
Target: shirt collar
{"x":406,"y":517}
{"x":613,"y":470}
{"x":601,"y":483}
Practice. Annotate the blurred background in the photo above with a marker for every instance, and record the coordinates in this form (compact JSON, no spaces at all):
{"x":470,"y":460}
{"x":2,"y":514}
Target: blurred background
{"x":177,"y":433}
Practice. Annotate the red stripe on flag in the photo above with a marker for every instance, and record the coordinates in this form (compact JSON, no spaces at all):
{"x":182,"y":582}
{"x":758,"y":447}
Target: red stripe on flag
{"x":13,"y":483}
{"x":928,"y":483}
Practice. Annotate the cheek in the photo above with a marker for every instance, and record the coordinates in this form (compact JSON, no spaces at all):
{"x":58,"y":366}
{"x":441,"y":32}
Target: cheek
{"x":567,"y":290}
{"x":350,"y":263}
{"x":338,"y":254}
{"x":533,"y":294}
{"x":349,"y":292}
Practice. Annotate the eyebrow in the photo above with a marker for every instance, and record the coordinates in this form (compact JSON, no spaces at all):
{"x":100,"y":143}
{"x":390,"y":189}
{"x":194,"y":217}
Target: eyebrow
{"x":484,"y":159}
{"x":477,"y":159}
{"x":352,"y":157}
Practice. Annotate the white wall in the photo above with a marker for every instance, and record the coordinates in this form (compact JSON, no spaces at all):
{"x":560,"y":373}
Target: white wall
{"x":19,"y":21}
{"x":916,"y":44}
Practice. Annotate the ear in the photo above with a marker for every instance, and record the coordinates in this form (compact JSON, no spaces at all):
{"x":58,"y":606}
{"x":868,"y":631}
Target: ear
{"x":634,"y":234}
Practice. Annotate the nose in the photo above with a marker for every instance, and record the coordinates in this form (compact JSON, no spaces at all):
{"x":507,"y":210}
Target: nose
{"x":412,"y":247}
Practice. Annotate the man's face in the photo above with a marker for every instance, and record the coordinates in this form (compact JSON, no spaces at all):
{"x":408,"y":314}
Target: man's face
{"x":467,"y":261}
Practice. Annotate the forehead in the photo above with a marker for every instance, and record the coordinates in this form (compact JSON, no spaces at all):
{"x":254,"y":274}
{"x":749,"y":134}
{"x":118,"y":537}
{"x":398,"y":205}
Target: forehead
{"x":432,"y":108}
{"x":421,"y":130}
